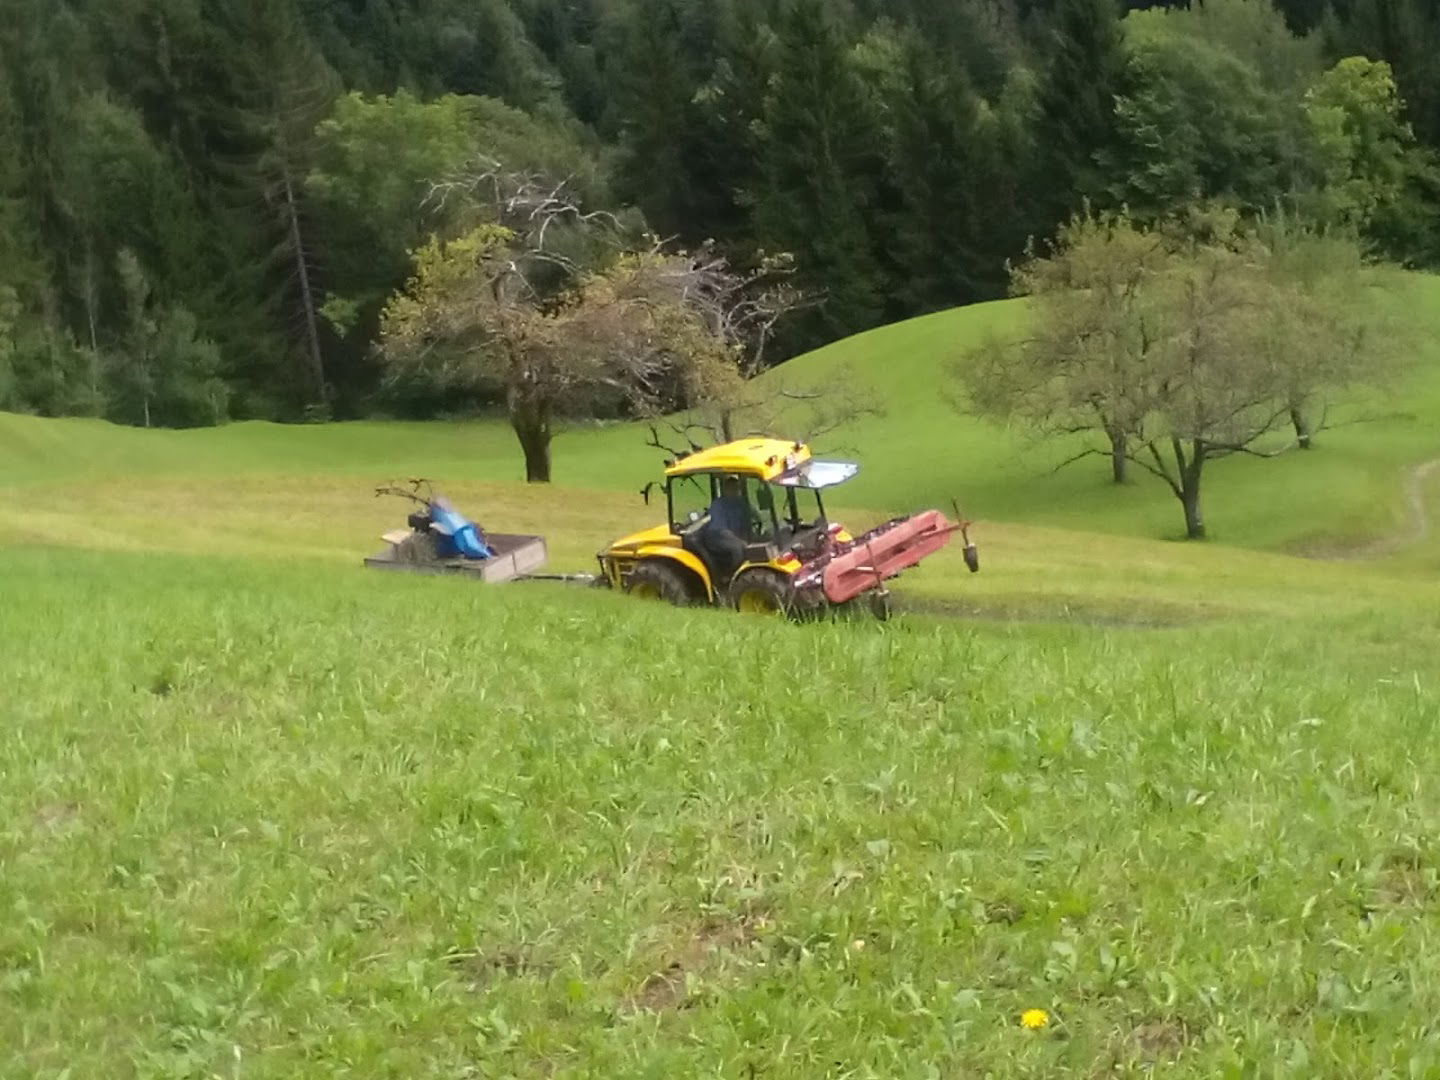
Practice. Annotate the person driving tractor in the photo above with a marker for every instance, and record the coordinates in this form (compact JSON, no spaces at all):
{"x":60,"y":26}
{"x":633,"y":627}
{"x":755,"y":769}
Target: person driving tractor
{"x":723,"y":537}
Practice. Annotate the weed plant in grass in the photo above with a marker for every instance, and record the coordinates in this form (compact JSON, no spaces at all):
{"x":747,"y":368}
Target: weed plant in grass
{"x":272,"y":821}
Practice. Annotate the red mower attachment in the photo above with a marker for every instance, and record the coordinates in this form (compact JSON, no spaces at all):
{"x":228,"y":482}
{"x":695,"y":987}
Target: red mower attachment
{"x":884,"y":552}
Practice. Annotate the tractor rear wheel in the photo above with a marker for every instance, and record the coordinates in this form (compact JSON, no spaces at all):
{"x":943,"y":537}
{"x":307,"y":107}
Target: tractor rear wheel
{"x":762,"y":592}
{"x":659,"y":579}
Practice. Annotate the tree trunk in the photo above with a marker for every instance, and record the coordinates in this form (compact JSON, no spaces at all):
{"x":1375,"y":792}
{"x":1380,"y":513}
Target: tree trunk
{"x":91,"y":301}
{"x":307,"y":295}
{"x":1190,"y":492}
{"x":1119,"y":444}
{"x":531,"y":421}
{"x":727,"y":425}
{"x":536,"y":445}
{"x":1301,"y":423}
{"x":145,"y":385}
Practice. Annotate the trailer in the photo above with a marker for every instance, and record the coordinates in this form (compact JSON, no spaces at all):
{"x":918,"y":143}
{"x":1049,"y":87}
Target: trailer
{"x":514,"y":557}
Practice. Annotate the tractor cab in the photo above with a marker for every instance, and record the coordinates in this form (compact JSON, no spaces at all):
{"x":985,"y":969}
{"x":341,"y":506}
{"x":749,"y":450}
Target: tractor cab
{"x":778,"y":485}
{"x":786,"y":513}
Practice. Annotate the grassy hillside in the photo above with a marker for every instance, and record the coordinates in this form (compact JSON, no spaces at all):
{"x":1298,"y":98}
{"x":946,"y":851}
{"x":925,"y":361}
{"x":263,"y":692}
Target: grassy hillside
{"x":919,"y":451}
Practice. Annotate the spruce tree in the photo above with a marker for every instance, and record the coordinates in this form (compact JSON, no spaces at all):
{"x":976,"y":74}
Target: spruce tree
{"x":278,"y":88}
{"x":817,"y":145}
{"x":655,"y":92}
{"x":1084,"y":74}
{"x":938,"y":158}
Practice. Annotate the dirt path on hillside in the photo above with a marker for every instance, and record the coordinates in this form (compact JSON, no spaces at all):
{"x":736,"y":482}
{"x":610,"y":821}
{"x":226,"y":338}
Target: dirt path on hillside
{"x":1418,"y":526}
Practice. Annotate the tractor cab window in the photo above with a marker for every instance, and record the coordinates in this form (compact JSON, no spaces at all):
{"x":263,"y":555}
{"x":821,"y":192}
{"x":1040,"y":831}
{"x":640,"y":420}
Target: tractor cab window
{"x":690,"y":499}
{"x":795,"y":512}
{"x":694,"y":499}
{"x":734,"y":507}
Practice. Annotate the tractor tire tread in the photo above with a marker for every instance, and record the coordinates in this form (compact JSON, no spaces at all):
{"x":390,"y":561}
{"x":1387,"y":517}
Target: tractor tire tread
{"x":771,"y":584}
{"x":668,"y":579}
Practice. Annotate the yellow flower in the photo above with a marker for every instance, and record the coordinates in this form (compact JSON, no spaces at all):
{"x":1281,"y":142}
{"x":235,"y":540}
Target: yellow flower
{"x":1034,"y":1019}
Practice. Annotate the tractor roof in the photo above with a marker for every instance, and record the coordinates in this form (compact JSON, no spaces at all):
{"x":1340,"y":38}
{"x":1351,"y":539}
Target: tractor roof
{"x":762,"y":458}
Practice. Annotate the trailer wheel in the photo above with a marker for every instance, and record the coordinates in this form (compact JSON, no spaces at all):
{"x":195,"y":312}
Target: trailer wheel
{"x":762,"y":592}
{"x":659,"y":579}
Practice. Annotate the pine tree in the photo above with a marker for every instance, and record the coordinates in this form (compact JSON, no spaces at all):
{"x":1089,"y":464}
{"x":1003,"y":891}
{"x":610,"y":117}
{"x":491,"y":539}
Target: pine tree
{"x":817,"y":148}
{"x":730,"y":109}
{"x":162,"y":372}
{"x":655,"y":94}
{"x":938,"y":155}
{"x":1084,"y":75}
{"x":278,"y":89}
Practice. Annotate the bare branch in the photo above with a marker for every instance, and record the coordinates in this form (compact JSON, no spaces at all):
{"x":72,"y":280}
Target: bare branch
{"x":1091,"y":452}
{"x":1158,"y":469}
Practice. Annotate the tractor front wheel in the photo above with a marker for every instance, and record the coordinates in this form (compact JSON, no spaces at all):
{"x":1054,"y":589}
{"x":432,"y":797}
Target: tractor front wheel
{"x":762,"y":592}
{"x":655,"y":579}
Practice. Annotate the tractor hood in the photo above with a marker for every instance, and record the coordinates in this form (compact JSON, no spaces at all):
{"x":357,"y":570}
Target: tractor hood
{"x":660,"y":534}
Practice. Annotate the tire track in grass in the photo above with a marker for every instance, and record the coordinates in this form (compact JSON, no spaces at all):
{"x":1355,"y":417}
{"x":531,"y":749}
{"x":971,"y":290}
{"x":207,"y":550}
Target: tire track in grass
{"x":1419,"y":526}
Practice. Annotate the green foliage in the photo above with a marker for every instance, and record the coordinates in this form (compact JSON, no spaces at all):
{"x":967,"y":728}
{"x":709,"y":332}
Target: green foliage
{"x":1083,"y":74}
{"x":162,"y":373}
{"x":377,"y":166}
{"x":1406,"y":35}
{"x":817,"y":150}
{"x":1364,"y":144}
{"x":1252,"y":32}
{"x":1200,"y":124}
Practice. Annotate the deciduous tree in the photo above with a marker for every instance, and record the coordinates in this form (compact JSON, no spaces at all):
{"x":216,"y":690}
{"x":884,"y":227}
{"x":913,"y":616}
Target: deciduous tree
{"x":626,"y":336}
{"x":1181,"y":345}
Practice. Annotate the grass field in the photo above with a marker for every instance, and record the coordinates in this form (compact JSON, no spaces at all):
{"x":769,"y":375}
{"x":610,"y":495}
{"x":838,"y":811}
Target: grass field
{"x":266,"y":815}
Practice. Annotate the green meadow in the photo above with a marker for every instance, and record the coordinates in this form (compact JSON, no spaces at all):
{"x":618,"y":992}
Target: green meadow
{"x":265,"y":814}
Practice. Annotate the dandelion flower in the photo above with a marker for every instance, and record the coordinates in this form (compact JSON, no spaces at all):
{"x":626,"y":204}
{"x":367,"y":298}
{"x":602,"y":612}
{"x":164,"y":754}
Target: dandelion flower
{"x":858,"y":944}
{"x":1034,"y":1019}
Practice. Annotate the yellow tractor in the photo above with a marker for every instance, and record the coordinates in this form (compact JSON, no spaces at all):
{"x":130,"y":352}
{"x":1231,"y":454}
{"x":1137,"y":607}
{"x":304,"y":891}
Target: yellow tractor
{"x":746,"y":528}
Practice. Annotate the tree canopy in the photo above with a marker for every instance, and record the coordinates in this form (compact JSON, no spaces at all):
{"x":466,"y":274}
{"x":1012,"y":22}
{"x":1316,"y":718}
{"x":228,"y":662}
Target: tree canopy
{"x":1168,"y":346}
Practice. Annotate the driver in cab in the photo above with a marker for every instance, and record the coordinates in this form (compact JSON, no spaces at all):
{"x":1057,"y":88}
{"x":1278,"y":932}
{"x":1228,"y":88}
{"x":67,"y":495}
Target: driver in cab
{"x":723,"y":536}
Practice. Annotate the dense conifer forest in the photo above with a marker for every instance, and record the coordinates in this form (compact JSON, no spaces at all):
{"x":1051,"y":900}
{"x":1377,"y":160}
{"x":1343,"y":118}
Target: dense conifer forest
{"x":206,"y":204}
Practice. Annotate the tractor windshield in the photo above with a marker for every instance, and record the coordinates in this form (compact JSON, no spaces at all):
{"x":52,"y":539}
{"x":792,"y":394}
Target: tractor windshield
{"x":790,"y":510}
{"x":815,"y":475}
